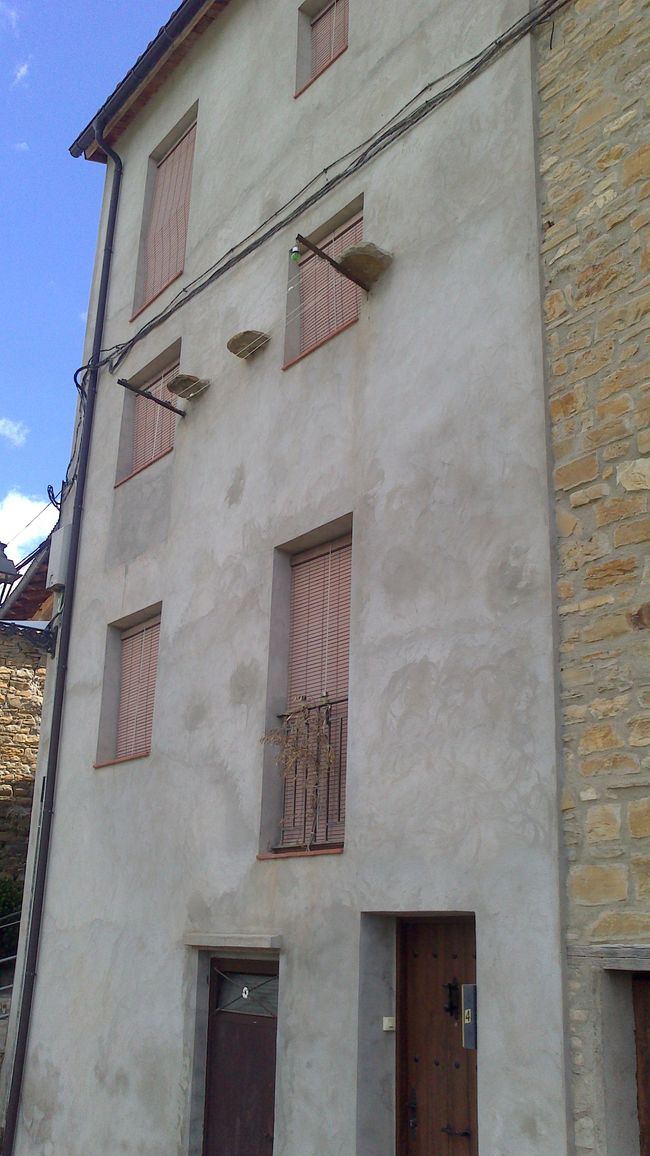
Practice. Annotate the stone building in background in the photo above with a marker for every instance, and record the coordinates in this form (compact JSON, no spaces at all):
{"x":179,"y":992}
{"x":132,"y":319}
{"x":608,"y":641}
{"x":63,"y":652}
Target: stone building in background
{"x":24,"y":616}
{"x":594,"y":157}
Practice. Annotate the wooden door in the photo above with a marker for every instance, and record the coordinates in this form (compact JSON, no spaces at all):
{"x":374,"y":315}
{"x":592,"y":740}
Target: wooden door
{"x":437,"y":1111}
{"x":240,"y":1076}
{"x":641,"y":998}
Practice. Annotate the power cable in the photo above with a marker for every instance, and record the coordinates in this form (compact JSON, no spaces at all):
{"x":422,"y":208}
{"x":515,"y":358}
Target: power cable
{"x":363,"y":153}
{"x":366,"y":151}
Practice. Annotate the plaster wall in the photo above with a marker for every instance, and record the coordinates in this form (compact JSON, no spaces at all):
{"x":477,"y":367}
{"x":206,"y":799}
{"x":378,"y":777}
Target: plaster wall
{"x":425,"y":421}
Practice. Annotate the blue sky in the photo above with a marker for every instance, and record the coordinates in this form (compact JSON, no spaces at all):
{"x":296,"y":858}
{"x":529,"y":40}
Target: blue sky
{"x":58,"y":63}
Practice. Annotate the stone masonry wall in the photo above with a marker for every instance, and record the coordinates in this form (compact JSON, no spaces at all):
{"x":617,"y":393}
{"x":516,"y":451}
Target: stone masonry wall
{"x":594,"y":154}
{"x":22,"y":677}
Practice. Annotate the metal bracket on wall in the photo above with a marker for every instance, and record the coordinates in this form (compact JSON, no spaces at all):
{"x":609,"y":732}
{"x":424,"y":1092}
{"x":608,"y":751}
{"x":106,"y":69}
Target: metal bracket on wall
{"x":145,"y":393}
{"x":330,"y":260}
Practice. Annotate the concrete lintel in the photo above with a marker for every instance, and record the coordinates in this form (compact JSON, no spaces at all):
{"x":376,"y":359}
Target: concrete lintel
{"x":257,"y":941}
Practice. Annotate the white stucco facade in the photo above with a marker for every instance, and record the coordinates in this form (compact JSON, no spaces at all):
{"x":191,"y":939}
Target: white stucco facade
{"x":425,"y":423}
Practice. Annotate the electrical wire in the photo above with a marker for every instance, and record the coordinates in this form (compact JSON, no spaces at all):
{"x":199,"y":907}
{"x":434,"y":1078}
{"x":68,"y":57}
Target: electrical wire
{"x":31,"y":521}
{"x":358,"y":156}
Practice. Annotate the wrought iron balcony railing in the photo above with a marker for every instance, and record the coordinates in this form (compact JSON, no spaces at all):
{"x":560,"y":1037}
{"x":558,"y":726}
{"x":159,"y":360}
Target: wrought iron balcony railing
{"x":312,"y":759}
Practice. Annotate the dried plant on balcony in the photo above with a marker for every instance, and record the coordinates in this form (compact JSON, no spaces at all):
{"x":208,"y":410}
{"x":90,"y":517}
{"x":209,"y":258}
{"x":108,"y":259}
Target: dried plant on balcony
{"x":304,"y":754}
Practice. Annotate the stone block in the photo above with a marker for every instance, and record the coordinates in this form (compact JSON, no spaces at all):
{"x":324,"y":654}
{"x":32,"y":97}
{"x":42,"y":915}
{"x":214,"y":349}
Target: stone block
{"x":602,"y":737}
{"x":641,"y":875}
{"x":577,"y":472}
{"x":609,"y":626}
{"x":616,"y":509}
{"x":590,"y":494}
{"x":576,"y":555}
{"x":594,"y":884}
{"x":621,"y":927}
{"x":631,"y":533}
{"x":637,"y":166}
{"x":603,"y":823}
{"x":567,"y":404}
{"x":624,"y":378}
{"x":566,"y":523}
{"x":638,"y":817}
{"x":611,"y":573}
{"x":640,"y":732}
{"x":634,"y":475}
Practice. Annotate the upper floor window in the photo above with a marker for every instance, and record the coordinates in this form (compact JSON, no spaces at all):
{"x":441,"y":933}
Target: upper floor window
{"x":138,"y":666}
{"x":148,"y":429}
{"x":153,"y":425}
{"x":164,"y":235}
{"x":327,"y":301}
{"x":316,"y":721}
{"x":329,"y":35}
{"x":322,"y":36}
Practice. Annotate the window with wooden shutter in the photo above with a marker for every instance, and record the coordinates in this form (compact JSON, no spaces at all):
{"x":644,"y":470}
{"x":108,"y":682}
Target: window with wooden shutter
{"x":138,"y":665}
{"x":165,"y":233}
{"x":329,"y":302}
{"x":317,"y":709}
{"x":329,"y":35}
{"x":153,"y":425}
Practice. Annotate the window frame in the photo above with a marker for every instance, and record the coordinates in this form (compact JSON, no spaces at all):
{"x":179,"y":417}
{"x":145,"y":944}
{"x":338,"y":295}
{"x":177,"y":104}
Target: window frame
{"x":338,"y":287}
{"x":309,"y":14}
{"x":135,"y":749}
{"x":109,"y":751}
{"x":136,"y":410}
{"x":144,"y":295}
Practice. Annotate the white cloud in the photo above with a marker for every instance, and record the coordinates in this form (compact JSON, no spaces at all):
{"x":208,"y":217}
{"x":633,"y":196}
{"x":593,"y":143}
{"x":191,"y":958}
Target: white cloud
{"x":14,"y":431}
{"x":24,"y":522}
{"x":83,"y":316}
{"x":9,"y":15}
{"x":21,"y":72}
{"x":21,"y":146}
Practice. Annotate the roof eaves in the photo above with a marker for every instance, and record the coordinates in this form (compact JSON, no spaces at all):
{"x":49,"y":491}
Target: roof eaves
{"x":163,"y":50}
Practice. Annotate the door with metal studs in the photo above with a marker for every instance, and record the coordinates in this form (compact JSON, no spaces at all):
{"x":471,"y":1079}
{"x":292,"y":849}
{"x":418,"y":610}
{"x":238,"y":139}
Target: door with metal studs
{"x":436,"y":1093}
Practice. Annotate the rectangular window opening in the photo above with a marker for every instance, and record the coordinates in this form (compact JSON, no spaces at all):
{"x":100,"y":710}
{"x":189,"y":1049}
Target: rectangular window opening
{"x":322,"y":301}
{"x":138,"y":666}
{"x":148,"y":429}
{"x":322,"y":37}
{"x":164,"y":234}
{"x":313,"y":747}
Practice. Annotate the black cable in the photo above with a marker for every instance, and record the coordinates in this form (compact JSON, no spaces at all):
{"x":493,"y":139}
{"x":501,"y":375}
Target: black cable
{"x":53,"y":497}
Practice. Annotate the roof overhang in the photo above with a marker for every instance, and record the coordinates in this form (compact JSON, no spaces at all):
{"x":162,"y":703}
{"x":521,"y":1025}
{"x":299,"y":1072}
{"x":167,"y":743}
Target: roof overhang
{"x":150,"y":71}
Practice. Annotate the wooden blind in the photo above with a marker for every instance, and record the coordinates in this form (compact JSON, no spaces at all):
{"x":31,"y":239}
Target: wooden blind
{"x":153,"y":426}
{"x":139,"y":661}
{"x":320,"y":624}
{"x":329,"y":35}
{"x":328,"y":301}
{"x":314,"y":789}
{"x":166,"y":230}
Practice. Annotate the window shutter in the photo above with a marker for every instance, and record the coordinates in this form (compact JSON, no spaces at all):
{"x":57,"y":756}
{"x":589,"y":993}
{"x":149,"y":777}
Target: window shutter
{"x":139,"y":662}
{"x":153,"y":426}
{"x":314,"y":789}
{"x":320,"y":625}
{"x":166,"y":232}
{"x":329,"y":35}
{"x":328,"y":300}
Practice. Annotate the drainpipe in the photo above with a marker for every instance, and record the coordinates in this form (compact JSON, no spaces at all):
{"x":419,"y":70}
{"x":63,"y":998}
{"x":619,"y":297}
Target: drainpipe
{"x":45,"y":834}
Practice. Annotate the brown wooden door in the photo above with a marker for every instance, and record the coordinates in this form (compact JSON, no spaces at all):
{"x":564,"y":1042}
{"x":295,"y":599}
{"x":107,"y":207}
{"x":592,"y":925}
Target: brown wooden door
{"x":437,"y":1114}
{"x":240,"y":1076}
{"x":641,"y":997}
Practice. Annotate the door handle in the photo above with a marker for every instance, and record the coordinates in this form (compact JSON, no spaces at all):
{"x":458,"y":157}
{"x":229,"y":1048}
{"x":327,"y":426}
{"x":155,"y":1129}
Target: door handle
{"x":452,"y":1004}
{"x":412,"y":1111}
{"x":452,"y":1132}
